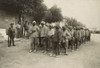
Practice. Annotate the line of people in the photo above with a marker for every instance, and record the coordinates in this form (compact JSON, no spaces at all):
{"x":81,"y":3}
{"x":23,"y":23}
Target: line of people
{"x":53,"y":39}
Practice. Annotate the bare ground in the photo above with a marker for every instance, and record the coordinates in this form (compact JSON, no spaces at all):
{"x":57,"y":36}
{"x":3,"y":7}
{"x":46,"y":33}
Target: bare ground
{"x":87,"y":56}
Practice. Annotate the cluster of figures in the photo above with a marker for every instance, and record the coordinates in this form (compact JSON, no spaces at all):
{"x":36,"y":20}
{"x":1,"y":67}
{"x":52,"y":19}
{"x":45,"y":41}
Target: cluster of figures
{"x":53,"y":39}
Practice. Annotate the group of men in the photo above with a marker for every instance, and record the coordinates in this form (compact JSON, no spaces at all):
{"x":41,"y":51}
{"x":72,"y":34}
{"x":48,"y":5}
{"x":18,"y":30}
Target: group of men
{"x":53,"y":39}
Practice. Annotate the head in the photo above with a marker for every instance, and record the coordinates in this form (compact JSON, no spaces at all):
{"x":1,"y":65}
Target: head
{"x":57,"y":26}
{"x":42,"y":23}
{"x":64,"y":28}
{"x":74,"y":28}
{"x":11,"y":24}
{"x":70,"y":27}
{"x":34,"y":23}
{"x":47,"y":24}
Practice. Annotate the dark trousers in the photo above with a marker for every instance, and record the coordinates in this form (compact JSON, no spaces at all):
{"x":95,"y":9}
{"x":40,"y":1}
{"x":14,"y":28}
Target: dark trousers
{"x":76,"y":43}
{"x":89,"y":38}
{"x":11,"y":41}
{"x":71,"y":44}
{"x":44,"y":43}
{"x":64,"y":46}
{"x":56,"y":48}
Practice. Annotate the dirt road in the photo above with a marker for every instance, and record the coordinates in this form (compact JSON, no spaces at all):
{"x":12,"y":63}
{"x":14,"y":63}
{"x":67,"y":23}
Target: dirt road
{"x":87,"y":56}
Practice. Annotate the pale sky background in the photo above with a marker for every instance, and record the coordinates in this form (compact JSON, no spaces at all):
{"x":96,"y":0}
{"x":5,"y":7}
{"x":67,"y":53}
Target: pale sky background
{"x":85,"y":11}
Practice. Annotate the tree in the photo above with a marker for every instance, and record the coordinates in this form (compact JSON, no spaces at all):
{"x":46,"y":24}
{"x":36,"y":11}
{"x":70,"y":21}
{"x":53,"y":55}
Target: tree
{"x":53,"y":15}
{"x":34,"y":8}
{"x":72,"y":22}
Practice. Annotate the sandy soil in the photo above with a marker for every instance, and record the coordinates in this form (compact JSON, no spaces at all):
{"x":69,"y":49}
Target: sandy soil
{"x":87,"y":56}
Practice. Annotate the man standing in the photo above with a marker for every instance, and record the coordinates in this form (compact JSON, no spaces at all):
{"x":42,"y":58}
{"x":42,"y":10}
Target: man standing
{"x":65,"y":37}
{"x":71,"y":40}
{"x":50,"y":38}
{"x":26,"y":28}
{"x":43,"y":36}
{"x":57,"y":40}
{"x":11,"y":34}
{"x":18,"y":27}
{"x":34,"y":34}
{"x":76,"y":36}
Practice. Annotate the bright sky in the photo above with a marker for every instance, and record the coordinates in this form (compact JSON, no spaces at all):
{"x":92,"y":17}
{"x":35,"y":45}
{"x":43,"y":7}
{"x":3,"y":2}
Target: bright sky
{"x":85,"y":11}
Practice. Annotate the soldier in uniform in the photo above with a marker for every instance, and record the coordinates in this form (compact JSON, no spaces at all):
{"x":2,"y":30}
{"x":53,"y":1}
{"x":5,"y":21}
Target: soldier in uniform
{"x":50,"y":39}
{"x":82,"y":31}
{"x":89,"y":36}
{"x":68,"y":31}
{"x":71,"y":40}
{"x":65,"y":37}
{"x":11,"y":34}
{"x":34,"y":34}
{"x":26,"y":28}
{"x":74,"y":41}
{"x":76,"y":36}
{"x":80,"y":34}
{"x":84,"y":35}
{"x":57,"y":40}
{"x":18,"y":27}
{"x":43,"y":36}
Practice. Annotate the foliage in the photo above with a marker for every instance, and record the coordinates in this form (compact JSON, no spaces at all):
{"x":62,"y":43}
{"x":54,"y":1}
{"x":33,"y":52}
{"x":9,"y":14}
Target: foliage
{"x":34,"y":8}
{"x":72,"y":22}
{"x":53,"y":15}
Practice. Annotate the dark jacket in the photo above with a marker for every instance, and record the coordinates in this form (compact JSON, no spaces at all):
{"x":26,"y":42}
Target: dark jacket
{"x":57,"y":35}
{"x":10,"y":31}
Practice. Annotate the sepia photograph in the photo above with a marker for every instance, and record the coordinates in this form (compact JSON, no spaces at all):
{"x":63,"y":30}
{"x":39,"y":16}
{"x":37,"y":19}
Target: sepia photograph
{"x":49,"y":33}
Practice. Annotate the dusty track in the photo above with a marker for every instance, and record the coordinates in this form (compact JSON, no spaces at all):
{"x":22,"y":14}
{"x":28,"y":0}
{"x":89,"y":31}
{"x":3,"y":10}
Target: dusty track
{"x":88,"y":56}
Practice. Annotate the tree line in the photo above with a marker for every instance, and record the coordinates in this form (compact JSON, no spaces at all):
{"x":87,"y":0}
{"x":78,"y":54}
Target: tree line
{"x":37,"y":10}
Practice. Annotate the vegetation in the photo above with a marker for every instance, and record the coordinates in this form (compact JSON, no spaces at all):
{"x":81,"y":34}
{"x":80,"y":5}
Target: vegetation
{"x":53,"y":15}
{"x":73,"y":22}
{"x":37,"y":10}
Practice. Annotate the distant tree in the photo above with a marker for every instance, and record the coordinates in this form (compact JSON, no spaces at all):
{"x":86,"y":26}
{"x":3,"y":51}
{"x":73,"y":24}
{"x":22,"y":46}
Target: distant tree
{"x":53,"y":15}
{"x":72,"y":22}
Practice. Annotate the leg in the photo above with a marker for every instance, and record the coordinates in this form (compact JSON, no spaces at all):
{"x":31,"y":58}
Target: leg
{"x":54,"y":48}
{"x":35,"y":44}
{"x":58,"y":49}
{"x":13,"y":41}
{"x":65,"y":48}
{"x":31,"y":44}
{"x":9,"y":41}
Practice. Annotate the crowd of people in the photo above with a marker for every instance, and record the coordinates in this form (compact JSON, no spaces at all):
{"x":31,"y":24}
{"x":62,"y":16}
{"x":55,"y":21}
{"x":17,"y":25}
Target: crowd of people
{"x":53,"y":39}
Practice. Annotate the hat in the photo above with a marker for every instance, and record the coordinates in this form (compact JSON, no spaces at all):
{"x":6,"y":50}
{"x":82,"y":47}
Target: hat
{"x":47,"y":24}
{"x":43,"y":22}
{"x":34,"y":22}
